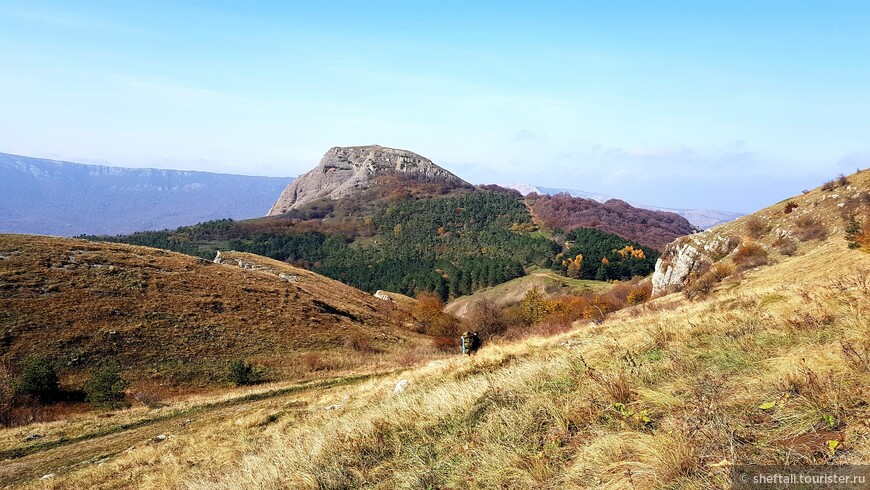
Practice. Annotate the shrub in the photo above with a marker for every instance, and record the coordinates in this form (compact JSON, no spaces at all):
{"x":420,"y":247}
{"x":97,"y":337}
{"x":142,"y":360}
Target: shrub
{"x":431,"y":318}
{"x":38,"y":379}
{"x":242,"y":373}
{"x":810,"y":228}
{"x":7,"y":397}
{"x":789,"y":207}
{"x":534,"y":307}
{"x":359,"y":342}
{"x":786,"y":246}
{"x":640,"y":294}
{"x":842,"y":180}
{"x":756,"y":227}
{"x":856,"y":235}
{"x":829,"y":185}
{"x":700,"y":287}
{"x":721,"y":270}
{"x":446,"y":344}
{"x":750,"y":255}
{"x":487,"y":318}
{"x":105,"y":388}
{"x":313,"y":361}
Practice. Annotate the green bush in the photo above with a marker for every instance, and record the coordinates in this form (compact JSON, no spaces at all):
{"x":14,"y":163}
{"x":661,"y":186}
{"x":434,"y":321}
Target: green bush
{"x":105,"y":388}
{"x":38,"y":379}
{"x":242,"y":373}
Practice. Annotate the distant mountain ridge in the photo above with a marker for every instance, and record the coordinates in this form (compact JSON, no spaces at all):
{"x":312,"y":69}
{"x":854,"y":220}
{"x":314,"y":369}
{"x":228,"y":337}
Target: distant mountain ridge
{"x":63,"y":198}
{"x":702,"y":218}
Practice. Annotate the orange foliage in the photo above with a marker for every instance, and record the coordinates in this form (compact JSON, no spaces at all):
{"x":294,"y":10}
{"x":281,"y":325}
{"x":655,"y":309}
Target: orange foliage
{"x":629,"y":251}
{"x":574,"y":266}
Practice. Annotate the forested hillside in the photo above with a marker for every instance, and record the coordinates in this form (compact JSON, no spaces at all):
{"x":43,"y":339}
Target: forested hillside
{"x":406,"y":239}
{"x":651,"y":228}
{"x":594,"y":254}
{"x":407,"y":235}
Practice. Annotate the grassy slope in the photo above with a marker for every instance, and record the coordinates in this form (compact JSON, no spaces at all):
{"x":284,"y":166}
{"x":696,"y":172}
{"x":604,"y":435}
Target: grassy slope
{"x":666,"y":394}
{"x":167,"y":317}
{"x":826,"y":206}
{"x":550,"y":283}
{"x":532,"y":415}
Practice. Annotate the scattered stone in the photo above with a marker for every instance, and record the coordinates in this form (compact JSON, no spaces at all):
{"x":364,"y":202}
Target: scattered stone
{"x":160,"y":438}
{"x":33,"y":437}
{"x":400,"y":386}
{"x":288,"y":277}
{"x":48,"y":476}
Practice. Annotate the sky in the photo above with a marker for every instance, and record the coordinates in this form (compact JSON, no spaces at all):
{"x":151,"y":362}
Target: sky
{"x":689,"y":104}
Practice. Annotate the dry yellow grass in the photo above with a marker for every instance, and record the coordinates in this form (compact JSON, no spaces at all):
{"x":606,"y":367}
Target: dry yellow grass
{"x":169,"y":319}
{"x":690,"y":378}
{"x":772,"y":368}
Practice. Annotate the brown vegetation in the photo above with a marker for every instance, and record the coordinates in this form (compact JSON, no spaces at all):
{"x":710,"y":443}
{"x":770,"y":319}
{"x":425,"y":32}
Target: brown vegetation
{"x":750,"y":255}
{"x":756,"y":227}
{"x":651,"y":228}
{"x":810,"y":228}
{"x":176,"y":321}
{"x":786,"y":246}
{"x":772,"y":370}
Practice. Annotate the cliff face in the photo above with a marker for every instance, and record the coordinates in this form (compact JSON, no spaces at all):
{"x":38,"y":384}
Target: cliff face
{"x":343,"y":170}
{"x":687,"y":255}
{"x":51,"y":197}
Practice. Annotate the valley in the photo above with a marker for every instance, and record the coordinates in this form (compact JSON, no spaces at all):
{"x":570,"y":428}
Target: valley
{"x":747,"y":343}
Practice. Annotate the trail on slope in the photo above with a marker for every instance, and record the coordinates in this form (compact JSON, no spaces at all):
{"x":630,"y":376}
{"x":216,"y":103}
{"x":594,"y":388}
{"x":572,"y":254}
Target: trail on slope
{"x":23,"y":464}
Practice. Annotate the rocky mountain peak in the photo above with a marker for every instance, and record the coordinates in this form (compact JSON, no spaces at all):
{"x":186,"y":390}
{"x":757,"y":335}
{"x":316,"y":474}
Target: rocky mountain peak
{"x":344,"y":170}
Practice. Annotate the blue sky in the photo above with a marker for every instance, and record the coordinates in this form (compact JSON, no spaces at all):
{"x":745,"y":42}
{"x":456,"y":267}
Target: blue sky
{"x":729,"y":105}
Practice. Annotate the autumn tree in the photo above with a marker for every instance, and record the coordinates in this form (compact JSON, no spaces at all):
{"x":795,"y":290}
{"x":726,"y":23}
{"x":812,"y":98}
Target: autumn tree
{"x":431,"y":318}
{"x":486,"y":318}
{"x":534,"y":307}
{"x":575,"y":266}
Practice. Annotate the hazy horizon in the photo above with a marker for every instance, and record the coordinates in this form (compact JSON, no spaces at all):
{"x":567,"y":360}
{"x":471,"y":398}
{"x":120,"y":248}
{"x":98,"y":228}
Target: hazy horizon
{"x":676,"y":104}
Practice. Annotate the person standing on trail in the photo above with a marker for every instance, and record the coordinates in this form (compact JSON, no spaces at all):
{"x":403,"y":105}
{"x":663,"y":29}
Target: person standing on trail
{"x":470,"y":342}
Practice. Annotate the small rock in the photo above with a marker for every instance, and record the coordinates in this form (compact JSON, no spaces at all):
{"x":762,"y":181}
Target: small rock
{"x":400,"y":386}
{"x":288,"y":277}
{"x":160,"y":438}
{"x":33,"y":437}
{"x":48,"y":476}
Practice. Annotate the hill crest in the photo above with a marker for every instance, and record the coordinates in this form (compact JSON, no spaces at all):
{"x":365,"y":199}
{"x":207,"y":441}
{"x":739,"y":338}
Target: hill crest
{"x":64,"y":198}
{"x":345,"y":170}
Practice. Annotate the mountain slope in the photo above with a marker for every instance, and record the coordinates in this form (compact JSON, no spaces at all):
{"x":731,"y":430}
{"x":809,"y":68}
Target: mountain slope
{"x":701,"y":218}
{"x":172,"y":318}
{"x":344,"y":171}
{"x":772,"y":368}
{"x":794,"y":225}
{"x":650,"y":228}
{"x":63,"y":198}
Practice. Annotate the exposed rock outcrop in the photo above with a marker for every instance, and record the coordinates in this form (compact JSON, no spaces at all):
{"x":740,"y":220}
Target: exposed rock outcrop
{"x":344,"y":170}
{"x":673,"y":268}
{"x":686,"y":255}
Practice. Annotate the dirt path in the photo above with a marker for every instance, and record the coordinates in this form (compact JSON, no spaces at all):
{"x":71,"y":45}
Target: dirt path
{"x":68,"y":455}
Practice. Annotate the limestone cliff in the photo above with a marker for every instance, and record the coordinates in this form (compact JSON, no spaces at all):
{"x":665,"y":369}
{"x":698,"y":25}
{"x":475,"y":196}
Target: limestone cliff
{"x":688,"y":255}
{"x":343,"y":170}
